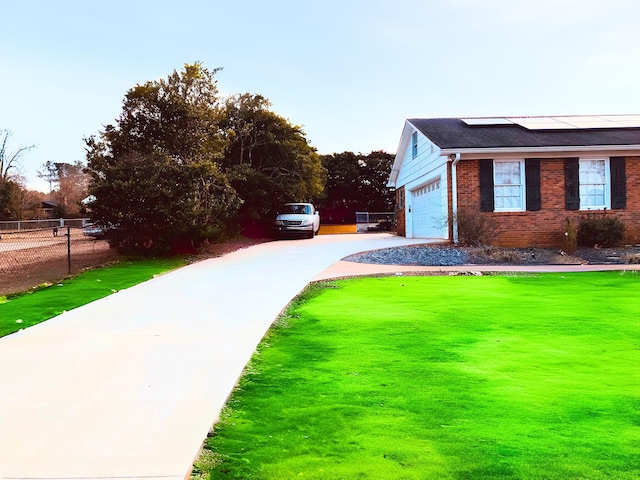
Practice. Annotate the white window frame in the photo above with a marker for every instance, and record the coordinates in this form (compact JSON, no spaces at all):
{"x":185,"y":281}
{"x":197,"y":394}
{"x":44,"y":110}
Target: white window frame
{"x":582,"y":163}
{"x":521,"y":185}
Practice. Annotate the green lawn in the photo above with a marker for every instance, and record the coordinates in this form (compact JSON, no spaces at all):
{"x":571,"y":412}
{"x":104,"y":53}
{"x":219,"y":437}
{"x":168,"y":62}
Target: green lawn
{"x":494,"y":377}
{"x":29,"y":308}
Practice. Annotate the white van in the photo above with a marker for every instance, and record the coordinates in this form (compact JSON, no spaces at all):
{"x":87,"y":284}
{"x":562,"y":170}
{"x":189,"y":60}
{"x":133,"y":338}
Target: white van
{"x":298,"y":219}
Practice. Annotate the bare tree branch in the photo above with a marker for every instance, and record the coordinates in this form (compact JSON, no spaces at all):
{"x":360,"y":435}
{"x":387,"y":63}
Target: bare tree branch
{"x":9,"y":160}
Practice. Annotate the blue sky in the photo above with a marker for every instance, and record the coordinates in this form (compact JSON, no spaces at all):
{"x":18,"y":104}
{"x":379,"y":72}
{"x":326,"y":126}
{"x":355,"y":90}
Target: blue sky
{"x":349,"y":71}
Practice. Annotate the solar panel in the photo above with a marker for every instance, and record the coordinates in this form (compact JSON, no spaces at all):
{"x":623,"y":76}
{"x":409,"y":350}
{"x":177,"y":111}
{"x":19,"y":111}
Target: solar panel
{"x":584,"y":121}
{"x":487,"y":121}
{"x":562,"y":122}
{"x":624,"y":120}
{"x":542,"y":123}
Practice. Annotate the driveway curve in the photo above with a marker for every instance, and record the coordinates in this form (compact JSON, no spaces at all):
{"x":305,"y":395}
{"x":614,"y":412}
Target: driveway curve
{"x":129,"y":386}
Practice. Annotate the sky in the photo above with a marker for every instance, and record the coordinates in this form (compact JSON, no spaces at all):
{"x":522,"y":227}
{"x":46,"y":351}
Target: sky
{"x":349,"y":71}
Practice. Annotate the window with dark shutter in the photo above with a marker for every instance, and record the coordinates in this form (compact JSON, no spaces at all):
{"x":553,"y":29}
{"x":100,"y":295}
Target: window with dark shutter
{"x":532,"y":179}
{"x":486,"y":185}
{"x":572,"y":183}
{"x":618,"y":183}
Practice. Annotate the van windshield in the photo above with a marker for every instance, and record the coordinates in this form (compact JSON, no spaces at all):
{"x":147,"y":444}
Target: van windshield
{"x":305,"y":209}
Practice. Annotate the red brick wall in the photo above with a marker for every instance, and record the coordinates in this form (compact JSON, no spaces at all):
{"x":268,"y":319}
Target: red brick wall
{"x":545,"y":228}
{"x":401,"y":226}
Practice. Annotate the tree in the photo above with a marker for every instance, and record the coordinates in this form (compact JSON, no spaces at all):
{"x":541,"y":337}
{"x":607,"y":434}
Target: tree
{"x":11,"y":190}
{"x":10,"y":161}
{"x":356,"y":182}
{"x":155,"y":174}
{"x":32,"y":204}
{"x":11,"y":200}
{"x":49,"y":173}
{"x":72,"y":185}
{"x":268,"y":160}
{"x":374,"y":172}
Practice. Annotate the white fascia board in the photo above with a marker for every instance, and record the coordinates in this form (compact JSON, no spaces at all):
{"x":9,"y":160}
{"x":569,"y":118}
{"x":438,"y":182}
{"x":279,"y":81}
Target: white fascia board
{"x":407,"y":131}
{"x":631,"y":150}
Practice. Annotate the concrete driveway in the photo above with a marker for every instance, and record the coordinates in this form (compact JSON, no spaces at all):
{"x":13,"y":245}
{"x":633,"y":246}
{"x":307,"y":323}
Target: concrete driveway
{"x":129,"y":386}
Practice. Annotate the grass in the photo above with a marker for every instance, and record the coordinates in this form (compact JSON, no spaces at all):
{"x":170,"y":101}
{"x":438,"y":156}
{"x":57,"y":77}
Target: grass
{"x":494,"y":377}
{"x":29,"y":308}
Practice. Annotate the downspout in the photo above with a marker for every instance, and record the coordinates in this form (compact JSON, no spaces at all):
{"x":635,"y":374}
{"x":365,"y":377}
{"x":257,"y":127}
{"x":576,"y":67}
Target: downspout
{"x":454,"y":195}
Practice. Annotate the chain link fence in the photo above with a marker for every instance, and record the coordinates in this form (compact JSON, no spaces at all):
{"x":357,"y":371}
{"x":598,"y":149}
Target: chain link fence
{"x":45,"y":251}
{"x":375,"y":221}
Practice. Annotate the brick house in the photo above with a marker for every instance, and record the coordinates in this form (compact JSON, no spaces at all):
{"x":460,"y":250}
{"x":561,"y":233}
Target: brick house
{"x":530,"y":174}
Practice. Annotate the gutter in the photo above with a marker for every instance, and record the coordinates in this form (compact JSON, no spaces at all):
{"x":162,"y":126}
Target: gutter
{"x":566,"y":149}
{"x":393,"y":176}
{"x":455,"y":157}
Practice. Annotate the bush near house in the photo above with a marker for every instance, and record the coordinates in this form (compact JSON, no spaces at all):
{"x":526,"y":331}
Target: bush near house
{"x":474,"y":228}
{"x":600,"y":229}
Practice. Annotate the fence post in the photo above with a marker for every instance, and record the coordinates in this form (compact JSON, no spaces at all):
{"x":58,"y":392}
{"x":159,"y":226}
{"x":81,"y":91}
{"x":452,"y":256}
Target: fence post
{"x":69,"y":250}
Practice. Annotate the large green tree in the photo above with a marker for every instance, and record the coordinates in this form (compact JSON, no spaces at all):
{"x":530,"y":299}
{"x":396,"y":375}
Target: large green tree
{"x":356,"y":182}
{"x":268,"y":160}
{"x":155,"y":174}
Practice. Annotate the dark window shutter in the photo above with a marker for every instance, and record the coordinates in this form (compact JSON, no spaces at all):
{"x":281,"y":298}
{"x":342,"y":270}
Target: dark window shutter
{"x":572,"y":183}
{"x":532,"y":179}
{"x":618,"y":183}
{"x":486,"y":185}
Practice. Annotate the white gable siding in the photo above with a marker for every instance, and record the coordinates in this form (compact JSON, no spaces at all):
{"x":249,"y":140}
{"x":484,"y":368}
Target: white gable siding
{"x":415,"y":168}
{"x":428,"y":167}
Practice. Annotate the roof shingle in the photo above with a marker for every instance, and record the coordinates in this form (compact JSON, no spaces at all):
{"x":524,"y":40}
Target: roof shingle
{"x":453,"y":133}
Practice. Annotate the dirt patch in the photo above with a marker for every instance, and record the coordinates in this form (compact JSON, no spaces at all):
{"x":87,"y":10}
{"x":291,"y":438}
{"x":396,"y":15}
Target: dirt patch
{"x":26,"y":268}
{"x":212,"y":250}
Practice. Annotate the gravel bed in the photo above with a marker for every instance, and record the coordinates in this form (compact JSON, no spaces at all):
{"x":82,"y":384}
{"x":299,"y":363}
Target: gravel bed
{"x":413,"y":255}
{"x":443,"y":256}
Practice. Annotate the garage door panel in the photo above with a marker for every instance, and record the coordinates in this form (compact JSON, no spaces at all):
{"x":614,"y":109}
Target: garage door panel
{"x":427,"y":210}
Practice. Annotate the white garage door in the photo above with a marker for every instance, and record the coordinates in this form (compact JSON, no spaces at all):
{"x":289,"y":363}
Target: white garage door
{"x":427,"y":211}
